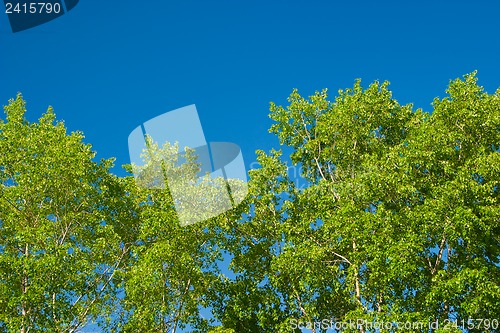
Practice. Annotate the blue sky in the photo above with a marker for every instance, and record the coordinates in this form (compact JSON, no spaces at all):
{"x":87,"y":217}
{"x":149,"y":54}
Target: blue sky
{"x":108,"y":66}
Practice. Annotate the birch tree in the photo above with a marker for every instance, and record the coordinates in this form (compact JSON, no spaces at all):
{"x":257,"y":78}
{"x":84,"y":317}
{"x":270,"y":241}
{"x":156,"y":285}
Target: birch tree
{"x":398,"y":220}
{"x":63,"y":227}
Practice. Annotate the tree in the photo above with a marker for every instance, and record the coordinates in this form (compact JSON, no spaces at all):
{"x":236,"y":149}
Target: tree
{"x":174,"y":265}
{"x":79,"y":244}
{"x":399,"y":221}
{"x":64,"y":236}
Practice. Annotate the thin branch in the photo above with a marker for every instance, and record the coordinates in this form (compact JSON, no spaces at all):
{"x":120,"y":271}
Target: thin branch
{"x":439,"y":256}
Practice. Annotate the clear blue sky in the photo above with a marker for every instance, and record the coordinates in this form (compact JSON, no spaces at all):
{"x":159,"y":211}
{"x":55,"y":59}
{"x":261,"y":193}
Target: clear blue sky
{"x":108,"y":66}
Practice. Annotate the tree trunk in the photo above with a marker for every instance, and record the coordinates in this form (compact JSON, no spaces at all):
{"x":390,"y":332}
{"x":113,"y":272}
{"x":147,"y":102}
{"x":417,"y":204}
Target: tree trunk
{"x":356,"y":281}
{"x":24,"y":290}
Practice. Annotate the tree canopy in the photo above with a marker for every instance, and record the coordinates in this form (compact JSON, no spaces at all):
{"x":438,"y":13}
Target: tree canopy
{"x":62,"y":244}
{"x":397,"y":221}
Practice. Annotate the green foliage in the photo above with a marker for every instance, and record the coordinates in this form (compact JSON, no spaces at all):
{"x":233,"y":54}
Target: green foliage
{"x":220,"y":329}
{"x":396,"y":219}
{"x":399,"y":220}
{"x":60,"y":215}
{"x":172,"y":267}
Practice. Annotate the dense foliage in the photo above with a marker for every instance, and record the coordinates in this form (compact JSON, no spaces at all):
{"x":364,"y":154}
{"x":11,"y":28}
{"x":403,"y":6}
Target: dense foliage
{"x":399,"y":221}
{"x":396,"y":220}
{"x":62,"y":239}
